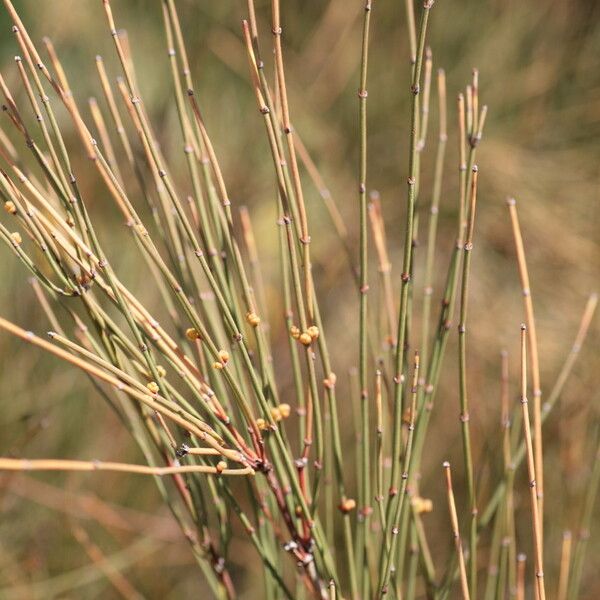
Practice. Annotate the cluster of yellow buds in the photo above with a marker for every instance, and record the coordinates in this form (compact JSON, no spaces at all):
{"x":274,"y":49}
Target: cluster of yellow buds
{"x":10,"y":208}
{"x":162,"y":372}
{"x":192,"y":334}
{"x":253,"y":319}
{"x":223,"y":360}
{"x":307,"y":337}
{"x":153,"y":387}
{"x":281,"y":412}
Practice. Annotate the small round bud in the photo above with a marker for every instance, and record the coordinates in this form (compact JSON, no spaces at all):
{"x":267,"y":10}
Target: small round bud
{"x":161,"y":371}
{"x":329,"y":382}
{"x":253,"y":319}
{"x":224,"y":356}
{"x":298,"y":511}
{"x":16,"y":238}
{"x":153,"y":387}
{"x":221,"y":466}
{"x":276,"y":413}
{"x":294,"y":332}
{"x":347,"y":505}
{"x":313,"y":331}
{"x":192,"y":334}
{"x":261,"y":424}
{"x":285,"y":410}
{"x":305,"y":339}
{"x":218,"y":366}
{"x":10,"y":207}
{"x":422,"y":505}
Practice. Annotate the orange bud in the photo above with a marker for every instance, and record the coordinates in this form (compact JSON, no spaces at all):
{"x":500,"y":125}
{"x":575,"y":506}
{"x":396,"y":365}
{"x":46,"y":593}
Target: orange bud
{"x":305,"y":339}
{"x":192,"y":334}
{"x":253,"y":319}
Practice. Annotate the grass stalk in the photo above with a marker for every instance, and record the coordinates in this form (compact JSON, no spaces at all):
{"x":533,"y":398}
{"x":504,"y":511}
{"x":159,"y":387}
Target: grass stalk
{"x":536,"y":526}
{"x":364,"y":497}
{"x":456,"y":533}
{"x":565,"y":563}
{"x":464,"y":403}
{"x":533,"y":354}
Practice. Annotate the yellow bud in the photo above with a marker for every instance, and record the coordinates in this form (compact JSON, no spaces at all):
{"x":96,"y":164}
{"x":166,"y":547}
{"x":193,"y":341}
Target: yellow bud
{"x":422,"y":505}
{"x":329,"y":382}
{"x":224,"y":356}
{"x":294,"y":332}
{"x":221,"y":466}
{"x":153,"y":387}
{"x":192,"y":334}
{"x":217,"y":365}
{"x":16,"y":238}
{"x":305,"y":339}
{"x":313,"y":331}
{"x":261,"y":424}
{"x":10,"y":207}
{"x":161,"y":371}
{"x":285,"y":410}
{"x":276,"y":413}
{"x":347,"y":505}
{"x":253,"y":319}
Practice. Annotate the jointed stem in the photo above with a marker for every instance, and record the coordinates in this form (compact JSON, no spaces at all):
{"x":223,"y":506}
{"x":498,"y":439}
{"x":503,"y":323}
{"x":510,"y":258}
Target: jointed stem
{"x":462,"y":366}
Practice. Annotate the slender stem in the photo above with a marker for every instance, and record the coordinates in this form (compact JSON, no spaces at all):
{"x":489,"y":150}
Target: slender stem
{"x":533,"y":356}
{"x":364,"y":499}
{"x":539,"y":568}
{"x":521,"y":561}
{"x":456,"y":533}
{"x":433,"y":218}
{"x":24,"y":464}
{"x":462,"y":366}
{"x":407,"y":258}
{"x":386,"y":562}
{"x":565,"y":563}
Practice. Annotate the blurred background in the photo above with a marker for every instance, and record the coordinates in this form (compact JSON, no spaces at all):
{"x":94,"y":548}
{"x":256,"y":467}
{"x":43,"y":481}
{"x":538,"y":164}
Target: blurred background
{"x":540,"y":76}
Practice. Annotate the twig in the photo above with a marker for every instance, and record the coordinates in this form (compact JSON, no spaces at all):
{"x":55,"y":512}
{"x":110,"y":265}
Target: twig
{"x":539,"y":568}
{"x":456,"y":533}
{"x":533,"y":355}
